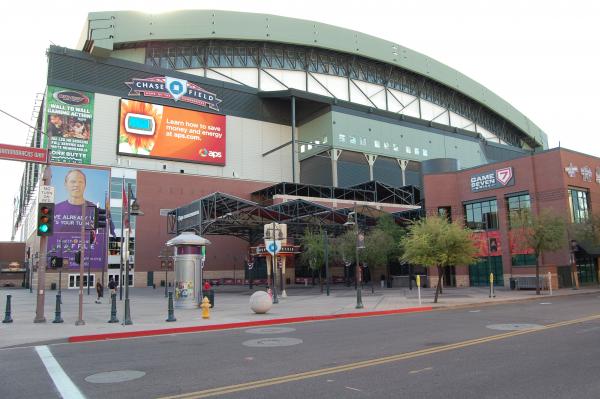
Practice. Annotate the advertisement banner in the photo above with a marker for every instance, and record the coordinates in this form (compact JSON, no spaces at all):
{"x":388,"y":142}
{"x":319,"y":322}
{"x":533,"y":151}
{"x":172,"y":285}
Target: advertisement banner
{"x":73,"y":187}
{"x":158,"y":131}
{"x":491,"y":180}
{"x":69,"y":124}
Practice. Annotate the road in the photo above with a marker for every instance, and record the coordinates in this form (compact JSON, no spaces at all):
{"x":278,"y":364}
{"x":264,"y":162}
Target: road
{"x":546,"y":348}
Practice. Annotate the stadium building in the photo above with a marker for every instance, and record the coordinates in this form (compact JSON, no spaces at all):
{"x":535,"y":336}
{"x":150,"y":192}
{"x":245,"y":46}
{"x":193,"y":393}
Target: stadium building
{"x":212,"y":118}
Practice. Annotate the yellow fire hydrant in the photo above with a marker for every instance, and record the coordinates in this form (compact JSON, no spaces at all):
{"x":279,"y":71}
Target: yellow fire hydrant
{"x":205,"y":308}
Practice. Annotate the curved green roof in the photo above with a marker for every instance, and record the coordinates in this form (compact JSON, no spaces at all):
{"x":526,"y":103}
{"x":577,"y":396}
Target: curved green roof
{"x":105,"y":29}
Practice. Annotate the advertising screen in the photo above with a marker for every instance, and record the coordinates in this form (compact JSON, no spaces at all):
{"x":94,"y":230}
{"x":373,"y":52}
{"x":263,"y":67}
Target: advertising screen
{"x":73,"y":188}
{"x":158,"y":131}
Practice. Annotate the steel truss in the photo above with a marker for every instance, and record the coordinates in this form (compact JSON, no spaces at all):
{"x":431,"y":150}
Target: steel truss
{"x":224,"y":214}
{"x":243,"y":54}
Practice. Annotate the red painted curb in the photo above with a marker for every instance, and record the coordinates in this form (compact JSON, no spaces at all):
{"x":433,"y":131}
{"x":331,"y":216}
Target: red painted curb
{"x":226,"y":326}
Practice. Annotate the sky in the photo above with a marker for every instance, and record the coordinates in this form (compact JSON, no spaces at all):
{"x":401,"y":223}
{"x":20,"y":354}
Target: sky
{"x":541,"y":56}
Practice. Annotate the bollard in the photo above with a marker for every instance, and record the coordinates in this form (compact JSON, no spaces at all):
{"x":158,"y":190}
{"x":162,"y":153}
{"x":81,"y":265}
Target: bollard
{"x":550,"y":282}
{"x":205,"y":308}
{"x":7,"y":316}
{"x":171,"y":316}
{"x":57,"y":316}
{"x":419,"y":288}
{"x":127,"y":320}
{"x":113,"y":308}
{"x":492,"y":294}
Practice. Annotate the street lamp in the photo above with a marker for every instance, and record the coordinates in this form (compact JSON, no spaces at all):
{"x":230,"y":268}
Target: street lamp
{"x":133,"y":209}
{"x":353,"y":221}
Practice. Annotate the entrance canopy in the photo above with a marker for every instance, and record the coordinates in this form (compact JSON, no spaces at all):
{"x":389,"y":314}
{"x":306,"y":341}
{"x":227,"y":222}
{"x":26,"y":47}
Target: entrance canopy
{"x":226,"y":214}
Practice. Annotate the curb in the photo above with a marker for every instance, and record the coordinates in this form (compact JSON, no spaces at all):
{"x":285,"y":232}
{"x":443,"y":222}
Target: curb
{"x":243,"y":324}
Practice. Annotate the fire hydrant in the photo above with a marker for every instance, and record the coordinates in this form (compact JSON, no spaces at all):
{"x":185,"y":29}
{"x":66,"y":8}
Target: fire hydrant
{"x":205,"y":308}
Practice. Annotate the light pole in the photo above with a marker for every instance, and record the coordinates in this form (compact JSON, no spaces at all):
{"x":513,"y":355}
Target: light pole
{"x":133,"y":209}
{"x":350,"y":222}
{"x":274,"y":268}
{"x":326,"y":252}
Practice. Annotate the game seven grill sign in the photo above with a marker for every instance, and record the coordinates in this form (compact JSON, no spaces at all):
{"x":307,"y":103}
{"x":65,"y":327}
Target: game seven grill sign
{"x":491,"y":180}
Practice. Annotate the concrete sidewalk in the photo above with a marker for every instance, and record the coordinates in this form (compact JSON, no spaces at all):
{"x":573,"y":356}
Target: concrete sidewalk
{"x":149,"y":308}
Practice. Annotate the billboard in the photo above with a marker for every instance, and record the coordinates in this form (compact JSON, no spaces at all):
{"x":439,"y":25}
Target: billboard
{"x":73,"y":187}
{"x":69,"y":124}
{"x":157,"y":131}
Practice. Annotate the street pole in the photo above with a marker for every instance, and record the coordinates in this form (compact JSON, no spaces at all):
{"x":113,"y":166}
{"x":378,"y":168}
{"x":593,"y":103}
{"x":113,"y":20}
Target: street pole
{"x":39,"y":309}
{"x":359,"y":304}
{"x":325,"y":243}
{"x":127,"y":319}
{"x":80,"y":321}
{"x":274,"y":267}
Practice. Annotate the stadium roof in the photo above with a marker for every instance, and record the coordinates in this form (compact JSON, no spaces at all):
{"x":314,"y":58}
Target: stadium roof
{"x":105,"y":31}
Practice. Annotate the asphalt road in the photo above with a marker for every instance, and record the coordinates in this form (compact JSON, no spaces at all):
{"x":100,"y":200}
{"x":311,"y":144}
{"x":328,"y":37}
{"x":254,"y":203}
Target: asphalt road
{"x":440,"y":354}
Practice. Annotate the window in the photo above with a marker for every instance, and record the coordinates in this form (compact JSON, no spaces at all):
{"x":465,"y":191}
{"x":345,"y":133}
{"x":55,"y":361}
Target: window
{"x":524,"y":260}
{"x":416,"y":151}
{"x":482,"y":215}
{"x":362,"y":140}
{"x":342,"y":138}
{"x":425,"y":153}
{"x":516,"y":205}
{"x":579,"y":205}
{"x":302,"y":148}
{"x":445,"y":211}
{"x":408,"y":150}
{"x":352,"y":139}
{"x":396,"y":147}
{"x":386,"y":145}
{"x":377,"y":143}
{"x":74,"y":280}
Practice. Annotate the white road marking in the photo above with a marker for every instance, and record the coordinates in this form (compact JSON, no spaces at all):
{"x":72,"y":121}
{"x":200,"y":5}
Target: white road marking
{"x":66,"y":387}
{"x":330,"y":380}
{"x":474,"y":311}
{"x":354,"y":389}
{"x":545,"y":303}
{"x":418,"y":371}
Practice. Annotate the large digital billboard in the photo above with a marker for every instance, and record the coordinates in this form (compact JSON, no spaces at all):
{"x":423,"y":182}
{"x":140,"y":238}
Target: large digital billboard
{"x":73,"y":188}
{"x":69,"y":124}
{"x":158,"y":131}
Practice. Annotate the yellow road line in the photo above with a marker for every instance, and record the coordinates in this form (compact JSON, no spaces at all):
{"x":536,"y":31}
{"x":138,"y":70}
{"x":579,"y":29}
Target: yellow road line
{"x":370,"y":363}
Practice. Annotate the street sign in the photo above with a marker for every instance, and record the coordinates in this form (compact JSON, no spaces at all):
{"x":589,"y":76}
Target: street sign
{"x":20,"y":153}
{"x":273,"y":247}
{"x":46,"y":194}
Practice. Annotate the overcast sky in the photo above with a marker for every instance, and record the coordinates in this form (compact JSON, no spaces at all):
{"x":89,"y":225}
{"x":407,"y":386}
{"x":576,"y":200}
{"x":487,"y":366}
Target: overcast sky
{"x":543,"y":57}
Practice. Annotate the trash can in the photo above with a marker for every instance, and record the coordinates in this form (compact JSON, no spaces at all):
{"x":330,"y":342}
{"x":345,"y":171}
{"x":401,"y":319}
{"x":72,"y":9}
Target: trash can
{"x":513,"y":284}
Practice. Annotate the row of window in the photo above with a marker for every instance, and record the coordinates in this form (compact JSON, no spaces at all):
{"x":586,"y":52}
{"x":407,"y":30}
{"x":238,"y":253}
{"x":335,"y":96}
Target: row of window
{"x":343,"y":138}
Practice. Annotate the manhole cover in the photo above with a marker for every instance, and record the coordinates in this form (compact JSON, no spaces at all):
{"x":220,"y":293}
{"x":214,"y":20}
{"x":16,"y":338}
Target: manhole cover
{"x":514,"y":326}
{"x":272,"y":342}
{"x":271,"y":330}
{"x":115,"y":376}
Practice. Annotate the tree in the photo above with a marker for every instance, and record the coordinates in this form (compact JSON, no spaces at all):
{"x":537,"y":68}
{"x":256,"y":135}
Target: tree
{"x":541,"y":233}
{"x":313,"y":253}
{"x":381,"y":245}
{"x":433,"y":242}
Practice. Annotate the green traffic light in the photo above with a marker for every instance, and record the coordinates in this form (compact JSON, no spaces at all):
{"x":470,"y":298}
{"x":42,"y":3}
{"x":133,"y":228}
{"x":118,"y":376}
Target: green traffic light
{"x":43,"y":228}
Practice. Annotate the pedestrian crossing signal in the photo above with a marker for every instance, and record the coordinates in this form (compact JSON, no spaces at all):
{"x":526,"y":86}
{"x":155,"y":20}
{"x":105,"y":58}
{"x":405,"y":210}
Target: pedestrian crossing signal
{"x":45,"y":219}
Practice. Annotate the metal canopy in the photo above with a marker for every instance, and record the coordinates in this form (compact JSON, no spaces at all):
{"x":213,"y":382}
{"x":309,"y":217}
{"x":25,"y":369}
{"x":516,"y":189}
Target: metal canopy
{"x":225,"y":214}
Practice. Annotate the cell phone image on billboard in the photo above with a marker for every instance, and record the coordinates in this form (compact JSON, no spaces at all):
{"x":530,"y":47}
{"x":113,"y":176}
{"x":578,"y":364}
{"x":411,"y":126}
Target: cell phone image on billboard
{"x":158,"y":131}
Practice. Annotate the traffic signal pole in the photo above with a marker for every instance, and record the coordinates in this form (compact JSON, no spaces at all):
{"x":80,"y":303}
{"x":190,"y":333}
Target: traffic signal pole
{"x":39,"y":308}
{"x":80,"y":321}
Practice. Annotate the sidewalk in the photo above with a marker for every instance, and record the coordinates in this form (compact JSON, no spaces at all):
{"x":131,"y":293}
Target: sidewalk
{"x":149,"y":308}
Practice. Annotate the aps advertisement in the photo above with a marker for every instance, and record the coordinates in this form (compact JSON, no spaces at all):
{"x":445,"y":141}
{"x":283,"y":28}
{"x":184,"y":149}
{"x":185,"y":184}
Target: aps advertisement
{"x":158,"y":131}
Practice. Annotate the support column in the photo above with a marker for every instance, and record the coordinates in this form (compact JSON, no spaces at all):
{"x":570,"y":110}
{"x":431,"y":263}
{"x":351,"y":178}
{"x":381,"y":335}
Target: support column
{"x":293,"y":139}
{"x":403,"y":163}
{"x":371,"y":160}
{"x":335,"y":154}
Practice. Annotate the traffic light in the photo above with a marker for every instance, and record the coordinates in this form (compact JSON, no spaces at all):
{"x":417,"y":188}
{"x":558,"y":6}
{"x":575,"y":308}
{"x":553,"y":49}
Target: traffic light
{"x":99,"y":218}
{"x":493,"y":245}
{"x":45,"y":219}
{"x":56,"y":262}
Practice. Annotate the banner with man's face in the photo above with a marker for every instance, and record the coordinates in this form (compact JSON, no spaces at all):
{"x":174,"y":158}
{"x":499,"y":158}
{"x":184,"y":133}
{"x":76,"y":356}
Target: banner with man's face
{"x":75,"y":187}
